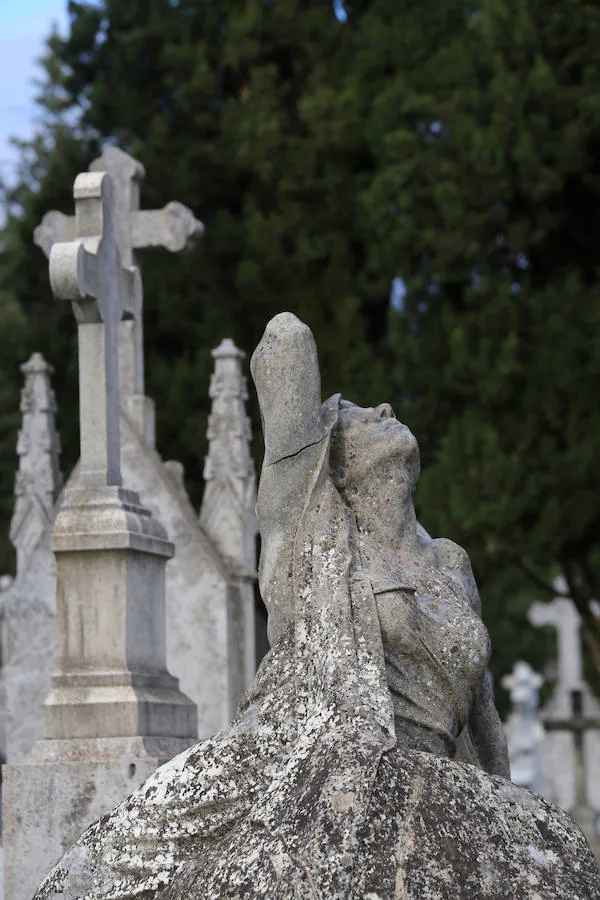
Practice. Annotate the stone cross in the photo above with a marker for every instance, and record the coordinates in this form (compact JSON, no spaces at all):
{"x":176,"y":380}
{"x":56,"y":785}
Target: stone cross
{"x":523,"y":684}
{"x":88,"y":271}
{"x":173,"y":227}
{"x":562,"y":614}
{"x":524,"y":731}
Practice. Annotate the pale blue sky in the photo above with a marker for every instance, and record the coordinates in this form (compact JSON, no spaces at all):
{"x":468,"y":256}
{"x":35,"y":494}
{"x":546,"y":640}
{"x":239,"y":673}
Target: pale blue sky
{"x":24,"y":24}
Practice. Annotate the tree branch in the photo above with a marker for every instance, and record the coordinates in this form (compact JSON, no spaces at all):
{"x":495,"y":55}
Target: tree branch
{"x":590,"y":624}
{"x":541,"y":583}
{"x":591,"y":577}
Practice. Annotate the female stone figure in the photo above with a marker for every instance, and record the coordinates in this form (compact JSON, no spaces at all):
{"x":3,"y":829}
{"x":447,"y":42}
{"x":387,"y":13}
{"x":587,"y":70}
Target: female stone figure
{"x":367,"y":761}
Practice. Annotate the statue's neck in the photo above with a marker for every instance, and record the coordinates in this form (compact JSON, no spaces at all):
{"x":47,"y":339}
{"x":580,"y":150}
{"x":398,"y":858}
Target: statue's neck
{"x":392,"y":528}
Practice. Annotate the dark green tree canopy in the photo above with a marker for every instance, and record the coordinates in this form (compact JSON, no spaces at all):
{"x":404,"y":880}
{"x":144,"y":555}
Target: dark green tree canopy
{"x":486,"y":201}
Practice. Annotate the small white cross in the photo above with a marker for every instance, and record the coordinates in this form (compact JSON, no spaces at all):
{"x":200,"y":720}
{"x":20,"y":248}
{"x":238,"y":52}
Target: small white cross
{"x":523,"y":685}
{"x":562,"y":614}
{"x":88,"y":271}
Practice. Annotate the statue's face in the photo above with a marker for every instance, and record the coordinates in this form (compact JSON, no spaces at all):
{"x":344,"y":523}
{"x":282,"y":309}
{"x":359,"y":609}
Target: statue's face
{"x":372,"y":444}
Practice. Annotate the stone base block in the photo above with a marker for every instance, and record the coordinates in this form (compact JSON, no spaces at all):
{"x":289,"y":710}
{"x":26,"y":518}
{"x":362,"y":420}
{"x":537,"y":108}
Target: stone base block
{"x":52,"y":796}
{"x":85,"y":710}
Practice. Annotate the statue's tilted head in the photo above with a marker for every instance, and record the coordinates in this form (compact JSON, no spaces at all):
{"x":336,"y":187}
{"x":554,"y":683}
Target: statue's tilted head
{"x":372,"y":452}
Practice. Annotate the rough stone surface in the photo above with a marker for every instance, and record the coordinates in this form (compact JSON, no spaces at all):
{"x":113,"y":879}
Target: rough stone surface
{"x":70,"y":790}
{"x":434,"y":829}
{"x":337,"y":778}
{"x":27,"y":605}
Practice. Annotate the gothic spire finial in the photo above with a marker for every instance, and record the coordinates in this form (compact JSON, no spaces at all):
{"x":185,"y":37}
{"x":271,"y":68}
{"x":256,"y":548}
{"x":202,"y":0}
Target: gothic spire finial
{"x":227,"y":513}
{"x":38,"y":478}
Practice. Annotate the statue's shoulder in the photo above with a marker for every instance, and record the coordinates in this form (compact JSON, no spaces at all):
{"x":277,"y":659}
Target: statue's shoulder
{"x":451,"y":555}
{"x":446,"y":552}
{"x":455,"y":559}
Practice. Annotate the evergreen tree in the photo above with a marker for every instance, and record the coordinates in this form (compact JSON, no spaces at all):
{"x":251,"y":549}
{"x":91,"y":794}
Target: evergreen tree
{"x":486,"y":201}
{"x":12,"y":342}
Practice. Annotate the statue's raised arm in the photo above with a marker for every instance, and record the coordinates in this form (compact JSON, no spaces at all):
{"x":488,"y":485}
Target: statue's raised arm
{"x":285,"y":369}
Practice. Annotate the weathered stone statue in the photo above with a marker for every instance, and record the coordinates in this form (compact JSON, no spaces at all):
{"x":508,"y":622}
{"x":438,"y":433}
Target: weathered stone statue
{"x":345,"y":774}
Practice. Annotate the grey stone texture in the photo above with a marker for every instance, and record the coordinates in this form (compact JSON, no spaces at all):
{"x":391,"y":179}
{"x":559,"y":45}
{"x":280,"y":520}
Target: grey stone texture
{"x":174,"y":227}
{"x":38,"y":448}
{"x":562,"y":615}
{"x":50,"y":795}
{"x":209,"y":601}
{"x":227,"y":513}
{"x":28,"y":650}
{"x":341,"y":776}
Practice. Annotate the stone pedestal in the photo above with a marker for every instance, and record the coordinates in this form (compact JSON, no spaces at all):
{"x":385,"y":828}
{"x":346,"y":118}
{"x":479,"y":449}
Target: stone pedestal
{"x":61,"y":788}
{"x":111,"y":673}
{"x":114,"y":713}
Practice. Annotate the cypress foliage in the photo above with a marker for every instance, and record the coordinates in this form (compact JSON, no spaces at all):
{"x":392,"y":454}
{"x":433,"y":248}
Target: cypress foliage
{"x":486,"y":201}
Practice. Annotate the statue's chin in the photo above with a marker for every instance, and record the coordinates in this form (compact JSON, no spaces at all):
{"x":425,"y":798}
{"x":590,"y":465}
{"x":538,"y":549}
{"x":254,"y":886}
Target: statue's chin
{"x":387,"y":473}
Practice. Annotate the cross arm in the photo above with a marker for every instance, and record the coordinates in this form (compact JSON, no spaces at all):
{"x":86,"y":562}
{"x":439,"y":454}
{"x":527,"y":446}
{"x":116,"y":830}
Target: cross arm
{"x":75,"y":266}
{"x":541,"y":614}
{"x":74,"y":276}
{"x":54,"y":228}
{"x":173,"y":227}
